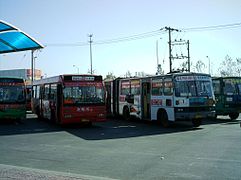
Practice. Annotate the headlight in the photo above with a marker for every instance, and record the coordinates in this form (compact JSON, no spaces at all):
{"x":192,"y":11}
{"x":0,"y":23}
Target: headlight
{"x":67,"y":116}
{"x":180,"y":110}
{"x":229,"y":99}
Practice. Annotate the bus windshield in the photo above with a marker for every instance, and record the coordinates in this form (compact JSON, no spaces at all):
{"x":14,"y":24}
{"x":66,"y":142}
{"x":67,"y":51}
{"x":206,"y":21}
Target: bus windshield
{"x":193,"y":88}
{"x":229,"y":87}
{"x":83,"y":94}
{"x":239,"y":88}
{"x":12,"y":94}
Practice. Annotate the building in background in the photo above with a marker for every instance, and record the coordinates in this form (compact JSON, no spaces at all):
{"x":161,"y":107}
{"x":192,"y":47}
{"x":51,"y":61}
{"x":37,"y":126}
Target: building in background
{"x":22,"y":73}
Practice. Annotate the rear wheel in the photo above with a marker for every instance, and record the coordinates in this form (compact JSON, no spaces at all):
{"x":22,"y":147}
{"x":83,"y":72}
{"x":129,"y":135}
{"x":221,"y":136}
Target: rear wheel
{"x":37,"y":111}
{"x":234,"y":115}
{"x":126,"y":113}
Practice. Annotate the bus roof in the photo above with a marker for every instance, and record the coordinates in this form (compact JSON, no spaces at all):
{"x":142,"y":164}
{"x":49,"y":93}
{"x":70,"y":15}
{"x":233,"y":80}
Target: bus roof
{"x":11,"y":80}
{"x":69,"y":77}
{"x":226,"y":77}
{"x":164,"y":75}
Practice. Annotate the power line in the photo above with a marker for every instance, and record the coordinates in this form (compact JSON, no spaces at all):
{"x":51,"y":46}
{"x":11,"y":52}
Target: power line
{"x":216,"y":27}
{"x":110,"y":41}
{"x":146,"y":35}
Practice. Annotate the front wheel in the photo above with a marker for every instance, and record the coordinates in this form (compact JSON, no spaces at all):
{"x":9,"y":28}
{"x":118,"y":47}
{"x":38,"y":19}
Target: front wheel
{"x":196,"y":122}
{"x":163,"y":118}
{"x":234,"y":115}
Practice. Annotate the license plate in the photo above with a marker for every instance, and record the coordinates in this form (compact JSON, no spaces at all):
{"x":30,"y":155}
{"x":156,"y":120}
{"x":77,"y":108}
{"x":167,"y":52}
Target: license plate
{"x":198,"y":116}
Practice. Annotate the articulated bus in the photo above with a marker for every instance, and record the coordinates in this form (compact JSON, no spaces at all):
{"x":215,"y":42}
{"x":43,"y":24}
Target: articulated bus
{"x":12,"y":98}
{"x":68,"y":99}
{"x":227,"y":91}
{"x":165,"y":98}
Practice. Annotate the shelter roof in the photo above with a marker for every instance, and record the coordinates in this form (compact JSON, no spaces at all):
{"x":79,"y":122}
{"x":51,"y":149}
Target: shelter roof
{"x":13,"y":39}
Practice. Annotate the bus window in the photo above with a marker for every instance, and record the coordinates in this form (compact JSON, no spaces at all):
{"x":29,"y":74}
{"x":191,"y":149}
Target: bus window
{"x":135,"y":87}
{"x":157,"y":87}
{"x":204,"y":88}
{"x":125,"y":87}
{"x":53,"y":91}
{"x":229,"y":87}
{"x":168,"y":87}
{"x":216,"y":87}
{"x":239,"y":88}
{"x":37,"y":92}
{"x":185,"y":89}
{"x":83,"y":94}
{"x":46,"y":92}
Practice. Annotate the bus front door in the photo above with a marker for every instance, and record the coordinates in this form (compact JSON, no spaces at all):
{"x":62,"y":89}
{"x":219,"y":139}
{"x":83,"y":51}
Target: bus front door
{"x":145,"y":100}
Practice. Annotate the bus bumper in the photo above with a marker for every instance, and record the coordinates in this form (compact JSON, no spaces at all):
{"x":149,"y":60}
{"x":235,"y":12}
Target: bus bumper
{"x":194,"y":115}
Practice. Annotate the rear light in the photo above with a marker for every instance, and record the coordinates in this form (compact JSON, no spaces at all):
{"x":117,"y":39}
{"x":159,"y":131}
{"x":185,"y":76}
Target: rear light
{"x":101,"y":115}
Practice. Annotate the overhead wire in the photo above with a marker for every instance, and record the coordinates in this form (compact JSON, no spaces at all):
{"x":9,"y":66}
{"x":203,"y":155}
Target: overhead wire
{"x":210,"y":28}
{"x":146,"y":35}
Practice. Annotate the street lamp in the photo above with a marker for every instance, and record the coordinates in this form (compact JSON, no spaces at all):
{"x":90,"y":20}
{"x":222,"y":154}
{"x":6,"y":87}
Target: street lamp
{"x":208,"y":64}
{"x":77,"y":68}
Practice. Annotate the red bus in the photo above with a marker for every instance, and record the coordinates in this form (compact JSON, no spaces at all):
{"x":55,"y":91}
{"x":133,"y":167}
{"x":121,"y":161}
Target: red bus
{"x":69,"y":99}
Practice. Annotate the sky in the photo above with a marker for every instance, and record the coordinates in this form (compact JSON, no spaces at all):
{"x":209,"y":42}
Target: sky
{"x":125,"y":34}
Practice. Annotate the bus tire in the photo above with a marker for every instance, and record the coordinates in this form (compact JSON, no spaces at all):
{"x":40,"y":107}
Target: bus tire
{"x":38,"y":113}
{"x":163,"y":118}
{"x":196,"y":122}
{"x":234,"y":115}
{"x":126,"y":113}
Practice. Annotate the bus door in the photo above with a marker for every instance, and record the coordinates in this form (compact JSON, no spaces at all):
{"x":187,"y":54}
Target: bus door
{"x":145,"y":100}
{"x":59,"y":103}
{"x":108,"y":98}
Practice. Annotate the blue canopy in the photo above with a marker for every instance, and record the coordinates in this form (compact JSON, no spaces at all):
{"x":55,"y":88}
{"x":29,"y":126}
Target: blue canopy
{"x":13,"y":40}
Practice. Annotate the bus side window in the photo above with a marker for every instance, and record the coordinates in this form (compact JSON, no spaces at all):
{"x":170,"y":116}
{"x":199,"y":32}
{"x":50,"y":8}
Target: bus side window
{"x":53,"y":92}
{"x":157,"y":87}
{"x":168,"y":87}
{"x":46,"y":92}
{"x":125,"y":87}
{"x":216,"y":86}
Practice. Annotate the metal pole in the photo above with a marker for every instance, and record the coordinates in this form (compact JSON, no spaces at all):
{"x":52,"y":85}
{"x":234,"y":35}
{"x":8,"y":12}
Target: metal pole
{"x":188,"y":56}
{"x":170,"y":48}
{"x":90,"y":36}
{"x":32,"y":59}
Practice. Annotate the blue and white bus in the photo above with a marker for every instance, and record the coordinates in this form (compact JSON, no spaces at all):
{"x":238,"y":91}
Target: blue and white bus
{"x":165,"y":98}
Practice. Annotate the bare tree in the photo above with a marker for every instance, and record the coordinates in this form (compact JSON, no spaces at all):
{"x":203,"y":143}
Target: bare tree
{"x":200,"y":66}
{"x":230,"y":67}
{"x":110,"y":76}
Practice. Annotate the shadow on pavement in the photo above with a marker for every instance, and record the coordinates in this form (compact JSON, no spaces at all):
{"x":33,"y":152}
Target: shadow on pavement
{"x":111,"y":129}
{"x":117,"y":128}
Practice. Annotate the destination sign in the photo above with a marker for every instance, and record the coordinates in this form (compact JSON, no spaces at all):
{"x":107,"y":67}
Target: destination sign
{"x":192,"y":78}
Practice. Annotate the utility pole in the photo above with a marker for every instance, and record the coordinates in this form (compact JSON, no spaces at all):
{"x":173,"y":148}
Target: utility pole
{"x":32,"y":68}
{"x":188,"y":56}
{"x":90,"y":41}
{"x":170,"y":45}
{"x":174,"y":43}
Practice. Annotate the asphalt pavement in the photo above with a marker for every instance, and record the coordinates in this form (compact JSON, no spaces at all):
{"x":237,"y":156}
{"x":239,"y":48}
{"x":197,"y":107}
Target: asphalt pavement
{"x":119,"y":149}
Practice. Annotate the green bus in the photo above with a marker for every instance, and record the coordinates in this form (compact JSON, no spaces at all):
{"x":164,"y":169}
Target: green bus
{"x":12,"y":98}
{"x":227,"y":91}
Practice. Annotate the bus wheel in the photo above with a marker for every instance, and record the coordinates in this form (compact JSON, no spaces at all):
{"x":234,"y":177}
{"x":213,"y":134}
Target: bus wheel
{"x":234,"y":115}
{"x":196,"y":122}
{"x":162,"y":117}
{"x":126,"y":113}
{"x":38,"y":113}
